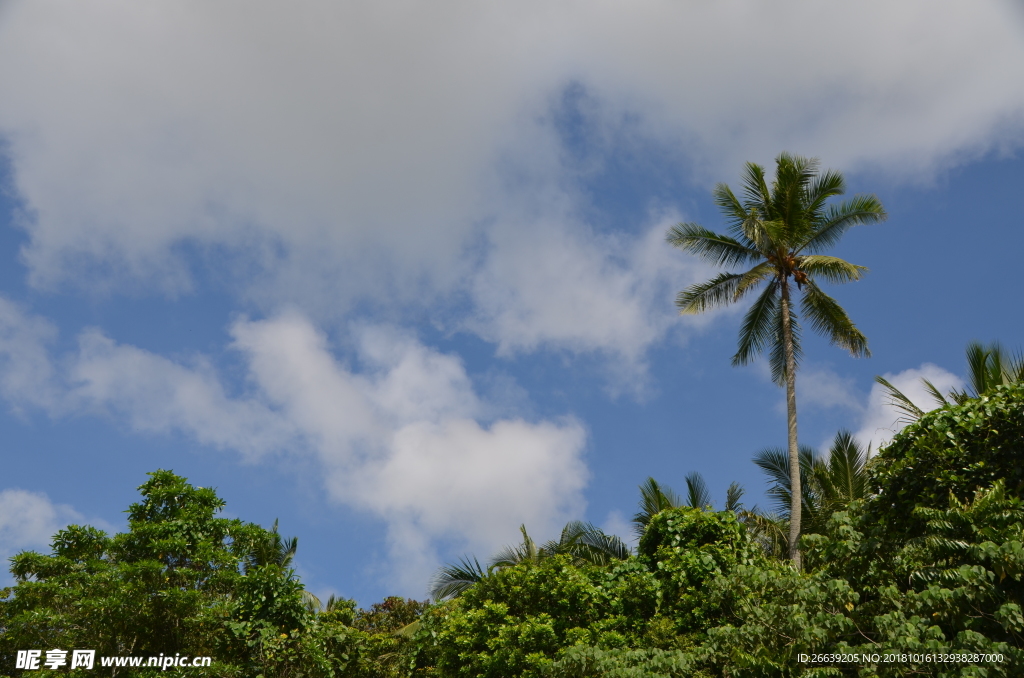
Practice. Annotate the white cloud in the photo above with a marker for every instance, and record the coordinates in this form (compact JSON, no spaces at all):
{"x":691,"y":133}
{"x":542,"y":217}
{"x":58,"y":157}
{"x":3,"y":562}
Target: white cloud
{"x":410,"y":440}
{"x":463,"y":480}
{"x":28,"y":375}
{"x":405,"y":438}
{"x":547,"y":284}
{"x":152,"y":394}
{"x":882,"y":421}
{"x":328,"y":152}
{"x":818,"y":387}
{"x":823,"y":388}
{"x":28,"y":520}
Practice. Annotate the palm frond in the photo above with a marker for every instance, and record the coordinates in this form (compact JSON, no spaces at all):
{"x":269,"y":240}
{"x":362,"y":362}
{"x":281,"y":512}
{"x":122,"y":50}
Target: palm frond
{"x":409,"y":630}
{"x":979,"y":372}
{"x":826,"y":486}
{"x":897,"y":399}
{"x":654,"y":498}
{"x":758,"y":330}
{"x":793,"y":175}
{"x":757,"y":205}
{"x":958,"y":397}
{"x":768,"y":530}
{"x":755,"y":187}
{"x":525,"y":552}
{"x":826,"y":185}
{"x":843,"y":478}
{"x":733,"y":496}
{"x":999,"y":365}
{"x":1015,"y":367}
{"x":729,"y":205}
{"x":839,"y":218}
{"x":714,"y":248}
{"x":335,"y":603}
{"x":718,"y":291}
{"x":991,"y":366}
{"x":827,"y":317}
{"x":697,"y":494}
{"x":452,"y":580}
{"x":739,"y":217}
{"x":311,"y":602}
{"x":589,"y":544}
{"x":832,"y":269}
{"x":750,"y":279}
{"x":270,"y":548}
{"x":774,"y":462}
{"x":774,"y":235}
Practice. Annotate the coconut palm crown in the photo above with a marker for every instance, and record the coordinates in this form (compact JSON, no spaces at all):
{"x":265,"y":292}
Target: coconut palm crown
{"x":780,"y":230}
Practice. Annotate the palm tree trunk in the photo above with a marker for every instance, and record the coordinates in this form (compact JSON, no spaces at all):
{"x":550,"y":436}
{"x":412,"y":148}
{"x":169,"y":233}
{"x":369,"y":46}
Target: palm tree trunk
{"x":796,"y":491}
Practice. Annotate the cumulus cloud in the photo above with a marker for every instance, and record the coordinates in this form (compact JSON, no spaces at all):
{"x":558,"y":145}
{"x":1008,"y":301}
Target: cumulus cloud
{"x":27,"y":522}
{"x":409,"y":439}
{"x":823,"y":388}
{"x":28,"y":375}
{"x":324,"y":153}
{"x":150,"y":393}
{"x":403,"y":435}
{"x":547,"y":284}
{"x":882,"y":421}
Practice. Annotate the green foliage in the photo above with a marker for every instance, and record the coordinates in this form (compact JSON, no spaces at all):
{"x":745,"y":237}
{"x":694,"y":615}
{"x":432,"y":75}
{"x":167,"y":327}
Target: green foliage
{"x":687,"y":549}
{"x":930,"y":562}
{"x":524,"y":620}
{"x":389,"y":615}
{"x":180,"y":580}
{"x":584,"y":542}
{"x":771,"y":614}
{"x":953,"y":588}
{"x":582,"y":661}
{"x":956,"y":449}
{"x":654,"y":498}
{"x":515,"y":621}
{"x":828,"y":484}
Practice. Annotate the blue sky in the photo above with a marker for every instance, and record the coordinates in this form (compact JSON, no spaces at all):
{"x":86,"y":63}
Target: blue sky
{"x":394,"y":273}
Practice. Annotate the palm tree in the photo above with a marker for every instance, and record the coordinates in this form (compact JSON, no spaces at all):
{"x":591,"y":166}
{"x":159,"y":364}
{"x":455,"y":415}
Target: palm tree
{"x":270,"y":548}
{"x":780,"y":229}
{"x":584,"y":542}
{"x":826,"y":486}
{"x":697,"y":493}
{"x":987,"y":367}
{"x":452,"y":580}
{"x":655,"y":498}
{"x":732,"y":498}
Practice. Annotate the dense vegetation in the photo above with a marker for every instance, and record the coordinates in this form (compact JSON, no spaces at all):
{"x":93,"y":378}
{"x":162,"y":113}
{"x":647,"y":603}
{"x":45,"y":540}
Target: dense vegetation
{"x":929,"y":563}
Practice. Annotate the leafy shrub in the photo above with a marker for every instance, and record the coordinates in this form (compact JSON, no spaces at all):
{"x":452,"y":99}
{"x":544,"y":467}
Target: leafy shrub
{"x":956,"y":449}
